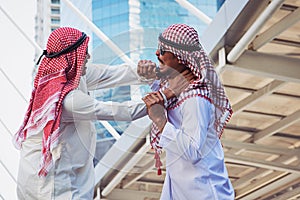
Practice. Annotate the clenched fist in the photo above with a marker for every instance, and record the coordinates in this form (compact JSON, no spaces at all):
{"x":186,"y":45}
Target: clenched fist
{"x":146,"y":69}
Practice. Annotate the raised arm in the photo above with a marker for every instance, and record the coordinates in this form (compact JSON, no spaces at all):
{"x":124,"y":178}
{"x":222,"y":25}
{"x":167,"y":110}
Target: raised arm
{"x":104,"y":76}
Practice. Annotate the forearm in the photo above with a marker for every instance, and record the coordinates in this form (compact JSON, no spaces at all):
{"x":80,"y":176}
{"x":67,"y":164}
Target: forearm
{"x":125,"y":111}
{"x":104,"y":76}
{"x":80,"y":106}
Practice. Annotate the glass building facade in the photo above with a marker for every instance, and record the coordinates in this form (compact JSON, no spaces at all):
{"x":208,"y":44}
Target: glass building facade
{"x":133,"y":25}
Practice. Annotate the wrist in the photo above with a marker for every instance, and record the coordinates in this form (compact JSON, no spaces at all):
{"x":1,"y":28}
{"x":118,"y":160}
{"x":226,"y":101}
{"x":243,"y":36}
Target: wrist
{"x":161,"y":124}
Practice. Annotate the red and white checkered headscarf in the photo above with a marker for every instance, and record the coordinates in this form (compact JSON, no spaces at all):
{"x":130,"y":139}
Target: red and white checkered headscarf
{"x":182,"y":40}
{"x":58,"y":74}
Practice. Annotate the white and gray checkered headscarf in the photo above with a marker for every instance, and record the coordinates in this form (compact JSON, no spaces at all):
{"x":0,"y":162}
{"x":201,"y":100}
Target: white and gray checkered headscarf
{"x":183,"y":41}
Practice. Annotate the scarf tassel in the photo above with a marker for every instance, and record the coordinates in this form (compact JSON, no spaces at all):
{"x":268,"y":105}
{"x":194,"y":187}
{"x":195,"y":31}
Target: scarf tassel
{"x":158,"y":163}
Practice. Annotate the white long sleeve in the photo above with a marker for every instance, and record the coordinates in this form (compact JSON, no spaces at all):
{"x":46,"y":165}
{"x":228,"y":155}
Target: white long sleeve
{"x":188,"y":138}
{"x":80,"y":106}
{"x":104,"y":76}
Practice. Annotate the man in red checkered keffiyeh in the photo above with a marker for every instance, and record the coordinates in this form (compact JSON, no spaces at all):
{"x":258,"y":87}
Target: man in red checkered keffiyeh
{"x":189,"y":125}
{"x":58,"y":74}
{"x":58,"y":138}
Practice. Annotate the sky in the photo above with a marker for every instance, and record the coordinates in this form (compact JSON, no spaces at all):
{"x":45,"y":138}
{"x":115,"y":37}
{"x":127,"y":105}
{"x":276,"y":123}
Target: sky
{"x":16,"y":64}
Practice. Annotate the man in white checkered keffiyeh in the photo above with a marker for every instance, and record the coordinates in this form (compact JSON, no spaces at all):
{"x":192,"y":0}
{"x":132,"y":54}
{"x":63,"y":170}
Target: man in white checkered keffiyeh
{"x":189,"y":125}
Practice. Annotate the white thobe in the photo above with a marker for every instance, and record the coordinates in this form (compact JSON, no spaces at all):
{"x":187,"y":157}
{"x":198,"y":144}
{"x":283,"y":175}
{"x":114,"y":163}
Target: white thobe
{"x":195,"y":167}
{"x":72,"y":176}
